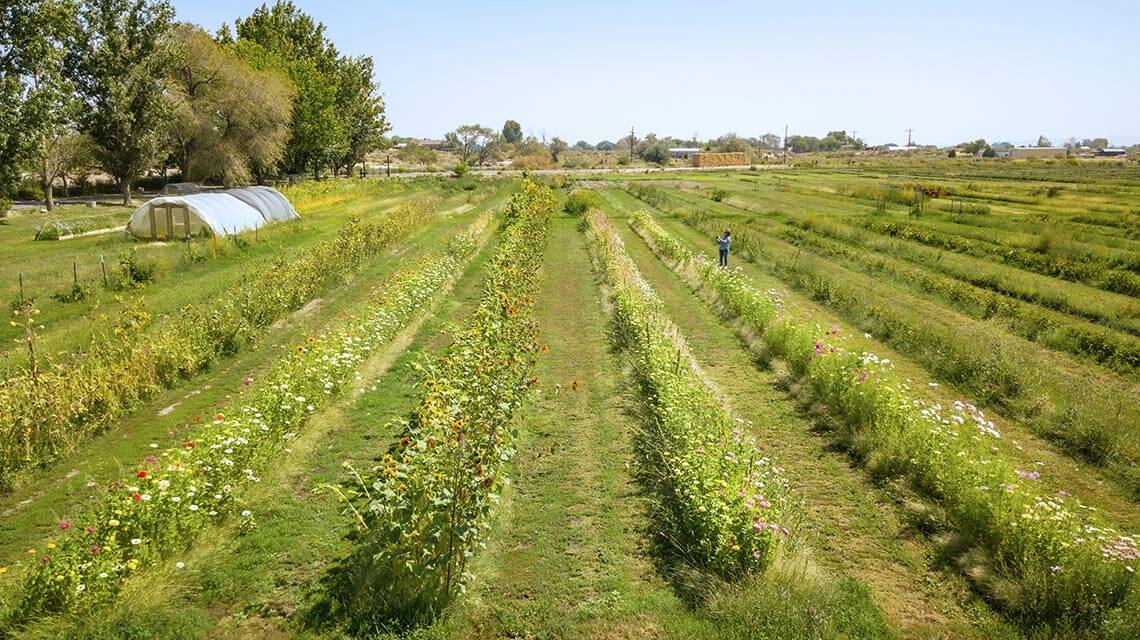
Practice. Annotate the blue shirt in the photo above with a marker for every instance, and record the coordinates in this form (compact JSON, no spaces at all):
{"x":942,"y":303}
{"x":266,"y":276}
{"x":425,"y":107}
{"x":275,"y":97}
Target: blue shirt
{"x":723,"y":242}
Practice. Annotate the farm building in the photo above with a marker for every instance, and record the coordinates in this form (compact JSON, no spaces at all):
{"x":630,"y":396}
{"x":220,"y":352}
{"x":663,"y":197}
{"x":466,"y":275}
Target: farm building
{"x":1111,"y":153}
{"x":683,"y":153}
{"x":733,"y":159}
{"x":1020,"y":153}
{"x":218,"y":213}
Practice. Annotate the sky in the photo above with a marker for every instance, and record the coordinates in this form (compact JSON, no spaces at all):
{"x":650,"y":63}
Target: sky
{"x":590,"y":69}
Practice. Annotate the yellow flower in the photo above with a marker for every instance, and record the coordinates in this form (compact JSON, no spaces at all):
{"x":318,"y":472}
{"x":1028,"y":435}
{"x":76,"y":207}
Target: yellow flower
{"x":113,"y":522}
{"x":132,"y":564}
{"x":32,"y":551}
{"x":3,"y":570}
{"x":51,"y":545}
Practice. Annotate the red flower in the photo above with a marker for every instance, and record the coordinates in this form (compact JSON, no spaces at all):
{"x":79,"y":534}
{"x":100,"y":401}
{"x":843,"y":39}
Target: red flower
{"x":189,"y":444}
{"x":45,"y":559}
{"x":63,"y":526}
{"x":197,"y":418}
{"x":88,"y":531}
{"x":136,"y":497}
{"x":219,"y":417}
{"x":141,"y":474}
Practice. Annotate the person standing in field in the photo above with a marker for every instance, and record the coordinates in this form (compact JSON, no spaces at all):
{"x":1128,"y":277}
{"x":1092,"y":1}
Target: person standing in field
{"x":723,"y":242}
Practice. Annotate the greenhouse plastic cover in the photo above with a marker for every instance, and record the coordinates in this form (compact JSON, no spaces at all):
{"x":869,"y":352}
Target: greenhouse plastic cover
{"x":223,"y":212}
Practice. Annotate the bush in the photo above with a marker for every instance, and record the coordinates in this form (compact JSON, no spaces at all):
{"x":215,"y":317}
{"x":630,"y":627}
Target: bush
{"x":583,"y":200}
{"x":718,"y":195}
{"x":136,"y":271}
{"x":461,"y":169}
{"x":623,"y":160}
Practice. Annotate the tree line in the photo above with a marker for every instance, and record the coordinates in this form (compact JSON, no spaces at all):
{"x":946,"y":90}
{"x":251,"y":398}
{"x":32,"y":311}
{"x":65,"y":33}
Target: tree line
{"x":120,"y":86}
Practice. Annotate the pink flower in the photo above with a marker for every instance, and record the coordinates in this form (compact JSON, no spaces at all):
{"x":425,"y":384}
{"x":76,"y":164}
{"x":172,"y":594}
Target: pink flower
{"x":151,"y":459}
{"x":88,"y":530}
{"x":823,"y":408}
{"x":95,"y":549}
{"x":756,"y":554}
{"x":63,"y":526}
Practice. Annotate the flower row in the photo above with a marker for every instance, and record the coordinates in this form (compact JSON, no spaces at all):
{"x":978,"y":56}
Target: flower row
{"x":178,"y":491}
{"x":425,"y":507}
{"x":44,"y":415}
{"x":725,"y":502}
{"x":1069,"y":566}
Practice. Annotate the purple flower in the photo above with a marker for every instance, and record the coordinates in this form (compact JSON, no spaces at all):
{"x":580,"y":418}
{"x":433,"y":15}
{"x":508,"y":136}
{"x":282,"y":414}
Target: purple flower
{"x":1028,"y":475}
{"x":1055,"y":568}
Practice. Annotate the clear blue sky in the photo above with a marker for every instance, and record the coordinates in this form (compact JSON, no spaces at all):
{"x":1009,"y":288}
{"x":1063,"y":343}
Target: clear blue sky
{"x":587,"y":69}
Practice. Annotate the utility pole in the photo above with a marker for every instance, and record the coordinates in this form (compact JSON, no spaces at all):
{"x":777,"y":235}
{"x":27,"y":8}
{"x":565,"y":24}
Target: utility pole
{"x":388,"y":162}
{"x":908,"y":132}
{"x":631,"y":145}
{"x":785,"y":144}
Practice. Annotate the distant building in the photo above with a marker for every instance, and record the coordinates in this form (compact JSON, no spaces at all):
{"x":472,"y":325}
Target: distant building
{"x":1111,"y":153}
{"x":1021,"y":153}
{"x":683,"y":153}
{"x":733,"y":159}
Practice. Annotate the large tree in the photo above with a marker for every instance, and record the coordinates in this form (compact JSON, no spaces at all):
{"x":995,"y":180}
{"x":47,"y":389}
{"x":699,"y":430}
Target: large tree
{"x":469,"y":139}
{"x":359,"y":103}
{"x":37,"y":104}
{"x":512,"y":132}
{"x":338,"y":115}
{"x":230,"y":121}
{"x":118,"y":64}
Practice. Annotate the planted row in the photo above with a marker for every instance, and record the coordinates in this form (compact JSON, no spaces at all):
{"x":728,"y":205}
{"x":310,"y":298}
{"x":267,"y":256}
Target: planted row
{"x":1064,"y":267}
{"x":45,"y":411}
{"x":176,"y":492}
{"x":1054,"y":563}
{"x":425,"y":508}
{"x":725,"y":504}
{"x":1003,"y":373}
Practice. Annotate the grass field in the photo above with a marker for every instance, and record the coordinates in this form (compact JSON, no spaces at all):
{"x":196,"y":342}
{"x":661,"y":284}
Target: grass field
{"x":908,"y":410}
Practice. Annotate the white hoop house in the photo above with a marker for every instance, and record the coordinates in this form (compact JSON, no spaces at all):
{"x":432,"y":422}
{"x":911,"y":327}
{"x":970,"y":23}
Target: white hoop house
{"x":219,"y":213}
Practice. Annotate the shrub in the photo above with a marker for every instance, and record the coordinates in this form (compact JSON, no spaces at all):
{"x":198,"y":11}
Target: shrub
{"x":718,"y":195}
{"x":583,"y":200}
{"x":136,"y":271}
{"x":461,"y":168}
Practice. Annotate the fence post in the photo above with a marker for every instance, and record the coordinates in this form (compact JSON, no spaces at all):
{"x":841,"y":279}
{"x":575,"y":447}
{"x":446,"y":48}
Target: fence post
{"x":74,"y":273}
{"x":103,"y":268}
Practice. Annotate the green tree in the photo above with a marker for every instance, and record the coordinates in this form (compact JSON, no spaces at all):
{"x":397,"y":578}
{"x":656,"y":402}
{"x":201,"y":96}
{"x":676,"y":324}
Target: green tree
{"x":417,"y":153}
{"x":989,"y":153}
{"x":360,"y":104}
{"x":973,"y":147}
{"x":512,"y":132}
{"x":1042,"y":141}
{"x":37,"y":102}
{"x":230,"y":121}
{"x":1095,"y":143}
{"x":657,"y":153}
{"x":582,"y":145}
{"x":557,"y":146}
{"x":338,"y":115}
{"x":117,"y":62}
{"x":605,"y":145}
{"x":468,"y":139}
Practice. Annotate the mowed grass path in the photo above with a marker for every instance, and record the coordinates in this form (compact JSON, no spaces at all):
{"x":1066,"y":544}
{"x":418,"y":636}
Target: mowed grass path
{"x":569,"y":554}
{"x":853,"y":526}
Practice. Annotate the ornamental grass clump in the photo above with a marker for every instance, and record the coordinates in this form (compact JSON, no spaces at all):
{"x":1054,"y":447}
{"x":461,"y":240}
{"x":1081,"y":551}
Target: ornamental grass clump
{"x":1057,"y":563}
{"x":426,"y":507}
{"x":174,"y":493}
